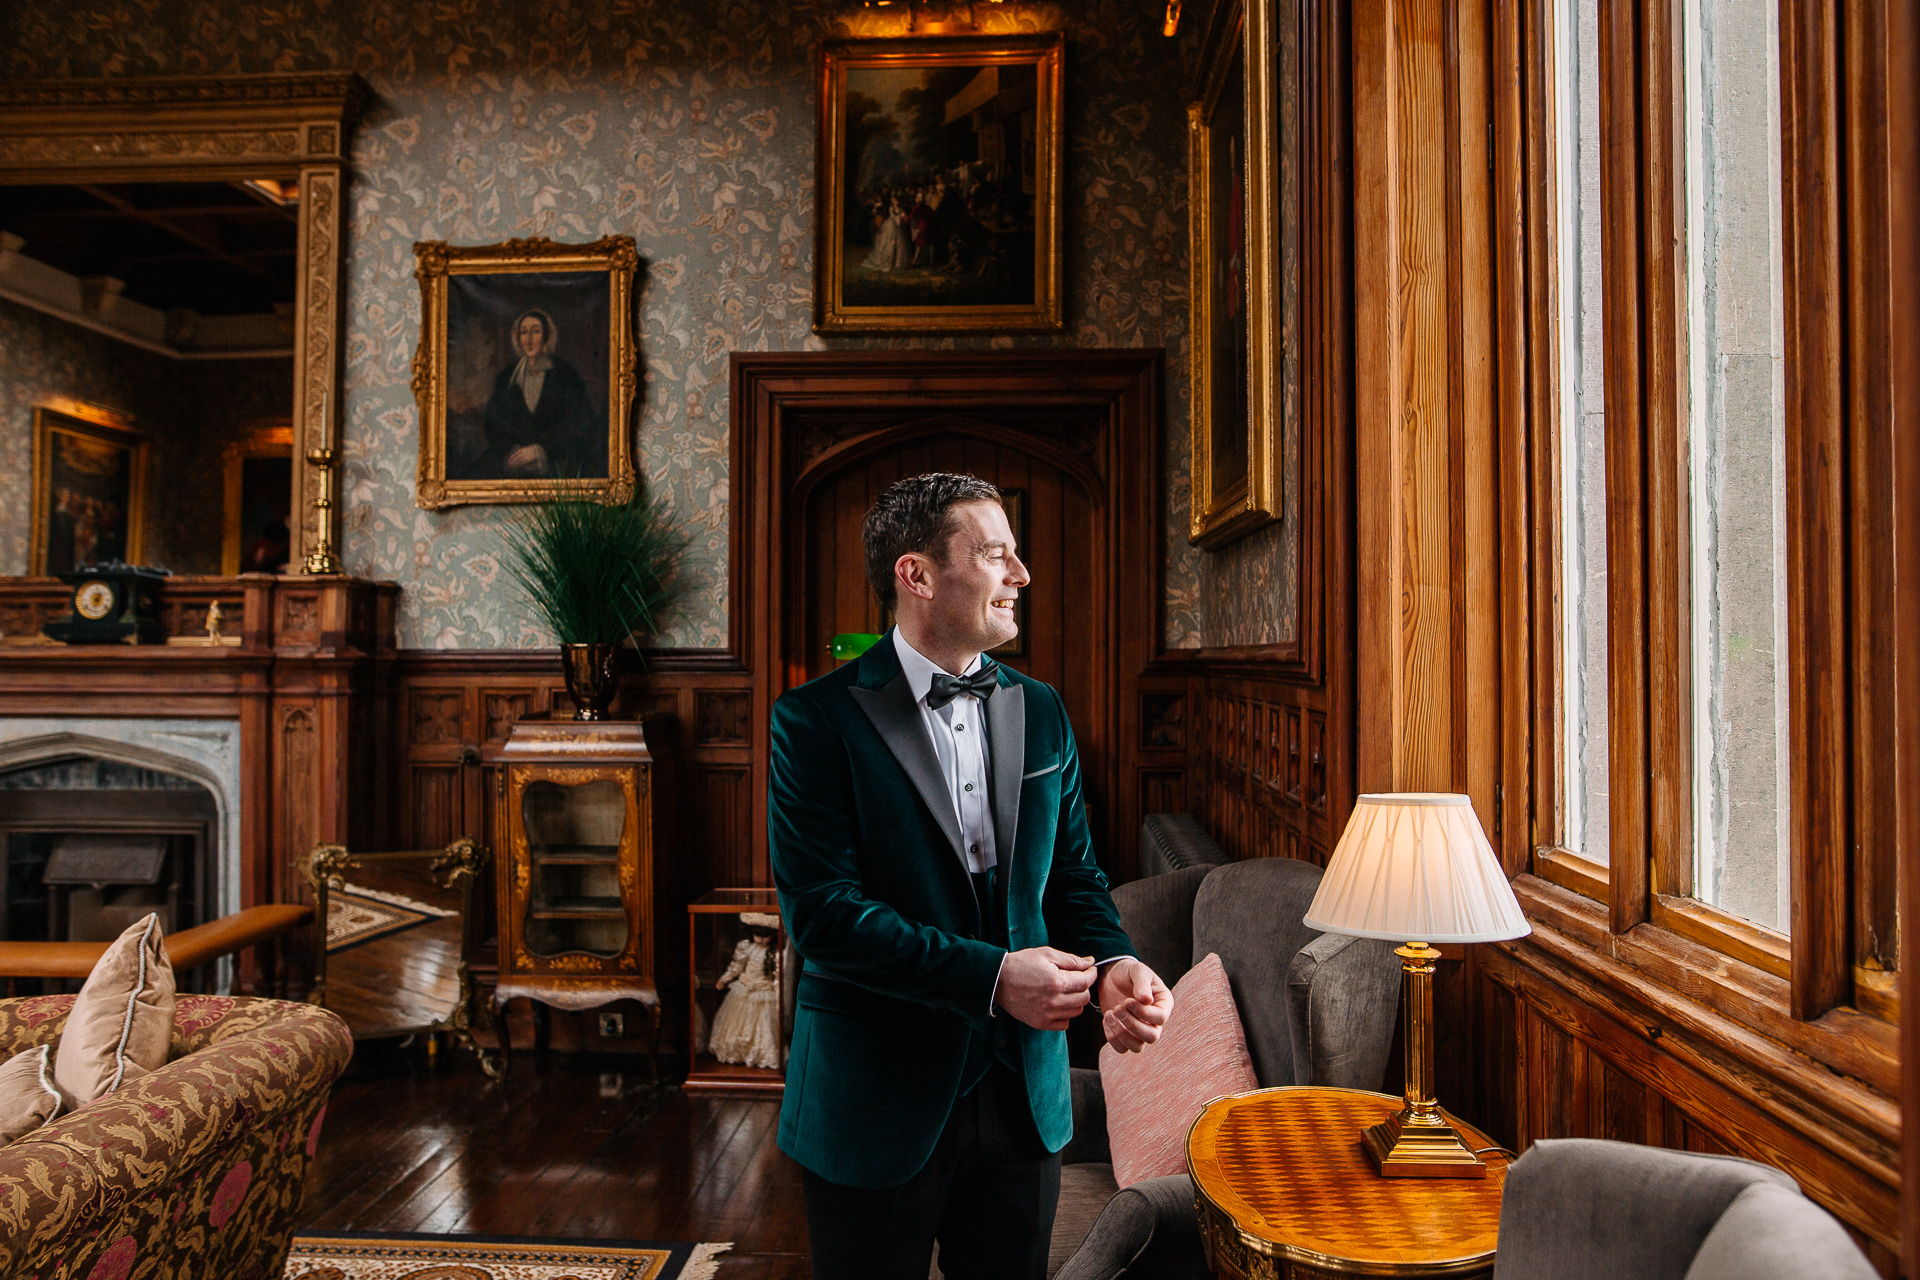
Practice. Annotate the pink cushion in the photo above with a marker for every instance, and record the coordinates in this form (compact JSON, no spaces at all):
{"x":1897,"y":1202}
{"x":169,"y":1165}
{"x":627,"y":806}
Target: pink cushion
{"x":1154,"y":1096}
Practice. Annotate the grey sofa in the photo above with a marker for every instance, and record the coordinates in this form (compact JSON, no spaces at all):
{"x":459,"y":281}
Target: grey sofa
{"x":1584,"y":1209}
{"x":1317,"y":1009}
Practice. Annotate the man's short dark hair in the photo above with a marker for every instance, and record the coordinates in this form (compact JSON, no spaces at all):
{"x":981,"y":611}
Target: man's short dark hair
{"x":915,"y":515}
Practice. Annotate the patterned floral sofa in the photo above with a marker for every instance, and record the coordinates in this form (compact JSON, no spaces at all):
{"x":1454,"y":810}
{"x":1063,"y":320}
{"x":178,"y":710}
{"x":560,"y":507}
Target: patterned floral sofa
{"x":195,"y":1170}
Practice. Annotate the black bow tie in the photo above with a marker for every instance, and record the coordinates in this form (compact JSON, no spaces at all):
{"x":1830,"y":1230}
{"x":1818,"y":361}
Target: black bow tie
{"x":980,"y":684}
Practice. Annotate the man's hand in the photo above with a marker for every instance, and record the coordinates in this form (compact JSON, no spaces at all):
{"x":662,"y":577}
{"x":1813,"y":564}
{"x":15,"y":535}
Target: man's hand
{"x":1044,"y":988}
{"x":1135,"y":1005}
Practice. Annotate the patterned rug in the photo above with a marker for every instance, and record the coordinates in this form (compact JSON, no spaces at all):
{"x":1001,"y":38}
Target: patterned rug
{"x":373,"y":1255}
{"x":356,"y":915}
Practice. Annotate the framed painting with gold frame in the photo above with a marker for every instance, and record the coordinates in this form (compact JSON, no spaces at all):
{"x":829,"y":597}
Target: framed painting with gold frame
{"x":939,"y":193}
{"x":89,"y":490}
{"x":257,"y":481}
{"x":1235,"y":294}
{"x":525,"y":372}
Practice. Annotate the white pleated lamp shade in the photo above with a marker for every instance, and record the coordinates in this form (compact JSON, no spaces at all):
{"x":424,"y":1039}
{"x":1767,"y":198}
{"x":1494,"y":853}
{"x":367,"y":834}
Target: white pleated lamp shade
{"x":1416,"y":867}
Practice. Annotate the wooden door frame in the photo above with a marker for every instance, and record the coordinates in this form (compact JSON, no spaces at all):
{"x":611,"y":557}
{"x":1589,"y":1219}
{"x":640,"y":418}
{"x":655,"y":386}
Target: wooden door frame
{"x":1122,"y":385}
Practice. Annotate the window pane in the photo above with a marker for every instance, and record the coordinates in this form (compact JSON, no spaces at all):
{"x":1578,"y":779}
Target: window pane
{"x":1583,"y":473}
{"x":1737,"y":457}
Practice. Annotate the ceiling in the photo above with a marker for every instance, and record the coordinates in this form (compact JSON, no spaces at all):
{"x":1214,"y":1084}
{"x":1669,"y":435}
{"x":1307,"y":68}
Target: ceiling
{"x":220,"y":249}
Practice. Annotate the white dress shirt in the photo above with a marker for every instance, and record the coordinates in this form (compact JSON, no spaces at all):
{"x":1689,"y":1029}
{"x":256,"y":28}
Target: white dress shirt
{"x":959,"y":734}
{"x":958,"y":731}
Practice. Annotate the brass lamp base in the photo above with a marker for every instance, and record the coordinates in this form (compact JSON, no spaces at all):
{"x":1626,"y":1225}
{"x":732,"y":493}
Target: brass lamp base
{"x":1417,"y":1141}
{"x":1410,"y":1146}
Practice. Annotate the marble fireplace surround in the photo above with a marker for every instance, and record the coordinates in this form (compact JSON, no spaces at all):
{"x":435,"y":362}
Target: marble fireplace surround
{"x":204,"y":750}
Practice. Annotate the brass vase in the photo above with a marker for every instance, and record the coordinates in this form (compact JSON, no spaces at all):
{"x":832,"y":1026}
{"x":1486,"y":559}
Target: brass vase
{"x":593,"y":677}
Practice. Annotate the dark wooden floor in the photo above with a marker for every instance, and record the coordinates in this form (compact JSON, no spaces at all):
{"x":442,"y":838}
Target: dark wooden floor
{"x":567,"y":1145}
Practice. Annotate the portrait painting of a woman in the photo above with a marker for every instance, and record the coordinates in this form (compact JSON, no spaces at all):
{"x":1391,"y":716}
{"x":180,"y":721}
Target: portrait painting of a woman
{"x":536,"y":345}
{"x":540,"y":420}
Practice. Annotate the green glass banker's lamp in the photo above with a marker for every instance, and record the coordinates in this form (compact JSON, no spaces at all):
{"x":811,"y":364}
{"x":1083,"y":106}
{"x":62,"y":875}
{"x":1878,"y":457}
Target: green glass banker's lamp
{"x":1417,"y":866}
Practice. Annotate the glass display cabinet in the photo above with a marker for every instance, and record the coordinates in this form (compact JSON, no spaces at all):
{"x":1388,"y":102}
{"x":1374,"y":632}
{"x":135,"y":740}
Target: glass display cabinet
{"x":742,"y":975}
{"x":578,"y":834}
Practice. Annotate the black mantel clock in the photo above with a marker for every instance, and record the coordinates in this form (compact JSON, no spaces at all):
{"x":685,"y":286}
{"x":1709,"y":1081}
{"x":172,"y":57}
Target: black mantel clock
{"x":113,"y":603}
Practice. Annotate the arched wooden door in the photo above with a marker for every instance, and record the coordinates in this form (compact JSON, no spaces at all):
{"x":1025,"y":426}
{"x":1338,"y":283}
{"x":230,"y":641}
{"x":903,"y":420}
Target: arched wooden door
{"x":1056,"y":506}
{"x":1072,"y":434}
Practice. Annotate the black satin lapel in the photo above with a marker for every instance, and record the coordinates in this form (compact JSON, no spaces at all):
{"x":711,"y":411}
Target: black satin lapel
{"x":897,"y":717}
{"x":1007,"y":740}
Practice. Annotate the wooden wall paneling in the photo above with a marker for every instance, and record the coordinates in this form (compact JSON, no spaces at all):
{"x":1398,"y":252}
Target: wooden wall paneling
{"x":1590,"y":1074}
{"x":1527,"y":376}
{"x":1431,"y":258}
{"x":1401,"y":396}
{"x":1815,"y":298}
{"x":1697,"y":1075}
{"x":1624,"y":252}
{"x":1901,"y":50}
{"x":1262,"y":785}
{"x":1869,"y":482}
{"x":1475,"y":420}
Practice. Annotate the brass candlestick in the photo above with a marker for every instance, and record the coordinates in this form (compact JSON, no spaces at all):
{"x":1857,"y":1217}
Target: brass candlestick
{"x":1418,"y":1141}
{"x":321,"y":559}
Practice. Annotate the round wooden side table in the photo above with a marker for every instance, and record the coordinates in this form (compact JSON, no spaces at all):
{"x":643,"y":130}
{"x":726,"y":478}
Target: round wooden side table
{"x":1284,"y":1192}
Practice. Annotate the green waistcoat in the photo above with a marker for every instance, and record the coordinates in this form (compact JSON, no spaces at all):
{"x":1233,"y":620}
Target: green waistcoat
{"x":895,"y":1001}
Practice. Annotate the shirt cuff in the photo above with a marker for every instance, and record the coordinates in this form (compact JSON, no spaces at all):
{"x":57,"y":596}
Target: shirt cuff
{"x":1100,"y":976}
{"x":993,"y":1003}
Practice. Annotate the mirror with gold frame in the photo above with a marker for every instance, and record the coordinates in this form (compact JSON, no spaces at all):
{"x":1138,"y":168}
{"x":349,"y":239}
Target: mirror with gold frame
{"x":392,"y":937}
{"x":194,"y":226}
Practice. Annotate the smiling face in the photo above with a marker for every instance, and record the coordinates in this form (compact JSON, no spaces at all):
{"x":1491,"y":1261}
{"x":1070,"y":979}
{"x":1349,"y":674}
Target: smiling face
{"x":968,"y":605}
{"x":531,"y":335}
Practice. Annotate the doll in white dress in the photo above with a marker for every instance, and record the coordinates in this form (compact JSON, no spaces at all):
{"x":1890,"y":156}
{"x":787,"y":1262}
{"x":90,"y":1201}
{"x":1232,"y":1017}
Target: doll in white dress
{"x":747,"y":1028}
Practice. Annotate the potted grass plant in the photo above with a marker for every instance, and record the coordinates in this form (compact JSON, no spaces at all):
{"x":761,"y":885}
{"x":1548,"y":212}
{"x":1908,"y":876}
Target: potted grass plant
{"x":599,"y":574}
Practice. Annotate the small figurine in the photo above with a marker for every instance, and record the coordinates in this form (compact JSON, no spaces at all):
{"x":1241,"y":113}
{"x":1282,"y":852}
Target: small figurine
{"x":747,"y":1028}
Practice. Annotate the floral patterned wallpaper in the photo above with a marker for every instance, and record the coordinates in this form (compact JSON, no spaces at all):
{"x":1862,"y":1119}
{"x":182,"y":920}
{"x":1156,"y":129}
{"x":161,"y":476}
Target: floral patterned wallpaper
{"x":190,"y":409}
{"x":689,"y":125}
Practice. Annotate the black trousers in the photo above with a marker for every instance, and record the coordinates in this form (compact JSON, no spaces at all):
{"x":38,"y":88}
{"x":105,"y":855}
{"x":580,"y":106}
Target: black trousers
{"x":987,"y":1194}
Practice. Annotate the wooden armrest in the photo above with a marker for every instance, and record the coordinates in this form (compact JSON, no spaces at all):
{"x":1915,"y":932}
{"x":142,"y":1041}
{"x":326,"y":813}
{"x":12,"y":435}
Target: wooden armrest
{"x":188,"y":949}
{"x":191,"y":948}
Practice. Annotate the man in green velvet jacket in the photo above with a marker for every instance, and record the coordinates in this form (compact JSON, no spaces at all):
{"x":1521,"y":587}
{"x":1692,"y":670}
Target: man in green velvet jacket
{"x":930,"y":846}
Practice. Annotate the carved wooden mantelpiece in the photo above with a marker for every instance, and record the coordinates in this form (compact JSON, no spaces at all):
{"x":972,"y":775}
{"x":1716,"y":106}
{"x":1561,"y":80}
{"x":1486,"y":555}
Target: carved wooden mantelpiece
{"x":289,"y":126}
{"x":303,"y":663}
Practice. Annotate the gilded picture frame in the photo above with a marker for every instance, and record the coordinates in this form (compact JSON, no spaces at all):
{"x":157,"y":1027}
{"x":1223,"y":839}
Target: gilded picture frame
{"x":1236,"y":292}
{"x":269,"y":440}
{"x":938,"y":204}
{"x":89,"y":489}
{"x":526,"y":371}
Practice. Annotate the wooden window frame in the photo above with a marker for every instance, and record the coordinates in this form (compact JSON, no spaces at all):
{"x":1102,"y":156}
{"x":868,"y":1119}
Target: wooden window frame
{"x":1838,"y":149}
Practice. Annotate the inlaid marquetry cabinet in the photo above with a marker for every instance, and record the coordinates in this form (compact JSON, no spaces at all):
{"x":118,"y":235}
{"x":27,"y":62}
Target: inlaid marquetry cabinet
{"x":580,"y":824}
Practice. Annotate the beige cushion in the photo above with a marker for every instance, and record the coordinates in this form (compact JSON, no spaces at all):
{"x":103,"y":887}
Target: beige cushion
{"x":27,"y":1096}
{"x":1154,"y":1096}
{"x":122,"y":1021}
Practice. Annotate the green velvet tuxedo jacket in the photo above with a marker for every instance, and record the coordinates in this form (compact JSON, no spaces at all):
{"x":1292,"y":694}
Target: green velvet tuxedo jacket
{"x":895,"y":997}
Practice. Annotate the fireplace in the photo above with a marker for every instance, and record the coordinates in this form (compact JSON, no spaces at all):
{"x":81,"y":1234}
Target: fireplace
{"x":102,"y":822}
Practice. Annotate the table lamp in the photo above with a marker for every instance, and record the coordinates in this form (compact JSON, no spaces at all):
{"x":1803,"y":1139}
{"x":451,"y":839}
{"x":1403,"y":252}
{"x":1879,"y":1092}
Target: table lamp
{"x":1417,"y":866}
